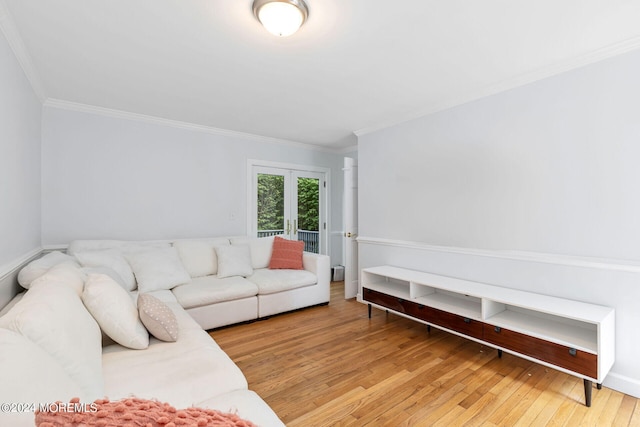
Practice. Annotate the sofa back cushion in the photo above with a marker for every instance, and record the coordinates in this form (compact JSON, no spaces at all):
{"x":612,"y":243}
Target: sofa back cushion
{"x":67,"y":274}
{"x":157,"y":269}
{"x":38,"y":267}
{"x":30,"y":376}
{"x":260,"y":247}
{"x":199,"y":256}
{"x":109,"y":258}
{"x":52,"y":316}
{"x":123,"y":246}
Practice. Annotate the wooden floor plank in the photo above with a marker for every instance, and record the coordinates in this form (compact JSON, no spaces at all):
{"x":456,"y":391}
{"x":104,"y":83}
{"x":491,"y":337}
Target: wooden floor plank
{"x":333,"y":366}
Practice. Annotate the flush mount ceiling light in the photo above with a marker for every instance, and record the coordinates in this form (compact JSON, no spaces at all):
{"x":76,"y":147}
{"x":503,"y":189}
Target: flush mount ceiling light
{"x":281,"y":17}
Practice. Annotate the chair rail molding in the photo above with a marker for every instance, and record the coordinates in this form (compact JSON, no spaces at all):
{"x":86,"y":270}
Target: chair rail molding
{"x":548,"y":258}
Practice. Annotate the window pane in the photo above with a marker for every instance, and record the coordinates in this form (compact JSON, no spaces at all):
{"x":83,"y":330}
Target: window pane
{"x":308,"y":213}
{"x":270,"y":205}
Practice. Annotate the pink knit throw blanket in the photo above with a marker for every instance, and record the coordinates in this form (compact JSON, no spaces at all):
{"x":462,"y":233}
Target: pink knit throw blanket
{"x":134,"y":412}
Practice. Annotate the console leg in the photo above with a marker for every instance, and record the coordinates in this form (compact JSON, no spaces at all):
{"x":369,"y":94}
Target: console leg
{"x":499,"y":354}
{"x":587,"y":392}
{"x":369,"y":311}
{"x":599,"y":386}
{"x":428,"y":328}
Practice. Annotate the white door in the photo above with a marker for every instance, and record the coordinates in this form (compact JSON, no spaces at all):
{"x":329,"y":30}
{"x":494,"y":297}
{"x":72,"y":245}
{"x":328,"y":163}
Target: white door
{"x":290,"y":203}
{"x":350,"y":227}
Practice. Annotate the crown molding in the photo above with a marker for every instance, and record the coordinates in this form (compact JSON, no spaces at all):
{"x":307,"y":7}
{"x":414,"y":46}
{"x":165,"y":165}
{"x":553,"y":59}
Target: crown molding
{"x":514,"y":82}
{"x":547,"y":258}
{"x":120,"y":114}
{"x":11,"y":33}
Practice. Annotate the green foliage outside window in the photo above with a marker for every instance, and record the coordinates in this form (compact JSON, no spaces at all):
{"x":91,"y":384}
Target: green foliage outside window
{"x":271,"y":203}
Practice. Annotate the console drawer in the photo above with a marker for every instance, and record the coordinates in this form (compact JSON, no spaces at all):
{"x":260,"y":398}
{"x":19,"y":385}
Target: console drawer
{"x":379,"y":298}
{"x":464,"y":325}
{"x":574,"y":360}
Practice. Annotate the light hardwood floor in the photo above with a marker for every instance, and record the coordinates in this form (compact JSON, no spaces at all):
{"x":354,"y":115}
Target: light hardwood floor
{"x":333,"y":366}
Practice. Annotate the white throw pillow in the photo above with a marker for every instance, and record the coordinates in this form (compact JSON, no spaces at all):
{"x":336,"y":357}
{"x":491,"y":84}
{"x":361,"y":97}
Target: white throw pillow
{"x":261,"y":248}
{"x":158,"y":268}
{"x":199,"y":256}
{"x":234,"y":260}
{"x":109,"y":272}
{"x":114,"y":310}
{"x":112,"y":259}
{"x":68,"y":274}
{"x":54,"y":318}
{"x":38,"y":267}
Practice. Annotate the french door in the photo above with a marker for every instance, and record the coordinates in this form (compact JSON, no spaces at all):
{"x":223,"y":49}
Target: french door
{"x":290,"y":203}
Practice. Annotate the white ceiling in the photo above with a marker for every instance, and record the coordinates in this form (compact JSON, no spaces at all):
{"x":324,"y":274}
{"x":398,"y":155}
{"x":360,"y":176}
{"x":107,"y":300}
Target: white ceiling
{"x":356,"y":65}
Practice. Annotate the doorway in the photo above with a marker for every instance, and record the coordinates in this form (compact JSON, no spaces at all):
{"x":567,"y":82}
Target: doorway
{"x":289,"y":202}
{"x":350,"y":215}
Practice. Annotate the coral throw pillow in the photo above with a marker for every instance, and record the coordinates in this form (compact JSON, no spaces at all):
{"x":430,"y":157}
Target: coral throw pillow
{"x":287,"y":254}
{"x":134,"y":412}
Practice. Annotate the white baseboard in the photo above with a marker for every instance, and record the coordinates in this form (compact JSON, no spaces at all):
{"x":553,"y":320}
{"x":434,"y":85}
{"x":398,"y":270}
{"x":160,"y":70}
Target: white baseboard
{"x":623,"y":384}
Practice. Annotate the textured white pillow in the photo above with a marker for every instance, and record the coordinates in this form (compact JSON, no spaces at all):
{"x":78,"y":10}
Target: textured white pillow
{"x":54,"y":318}
{"x":234,"y":260}
{"x":38,"y":267}
{"x":199,"y":256}
{"x":114,"y":310}
{"x":158,"y":268}
{"x":112,"y":259}
{"x":260,"y":249}
{"x":68,"y":274}
{"x":158,"y":318}
{"x":109,"y":272}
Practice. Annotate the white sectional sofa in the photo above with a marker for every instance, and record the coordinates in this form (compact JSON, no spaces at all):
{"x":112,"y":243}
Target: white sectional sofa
{"x":52,"y":348}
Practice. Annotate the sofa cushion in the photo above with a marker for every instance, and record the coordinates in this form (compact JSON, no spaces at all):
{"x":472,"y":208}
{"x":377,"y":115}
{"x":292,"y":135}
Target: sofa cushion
{"x":114,"y":310}
{"x":109,"y":272}
{"x":30,"y":376}
{"x":53,"y":317}
{"x":158,"y":318}
{"x":199,"y":256}
{"x":273,"y":281}
{"x":172,"y":372}
{"x":234,"y":261}
{"x":123,"y":246}
{"x":38,"y":267}
{"x":110,"y":258}
{"x":287,"y":254}
{"x":68,"y":274}
{"x":157,"y":268}
{"x":207,"y":290}
{"x":260,"y":247}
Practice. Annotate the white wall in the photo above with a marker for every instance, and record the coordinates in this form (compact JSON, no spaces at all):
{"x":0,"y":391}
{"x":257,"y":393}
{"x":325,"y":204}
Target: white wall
{"x":107,"y":177}
{"x":534,"y":188}
{"x":20,"y":119}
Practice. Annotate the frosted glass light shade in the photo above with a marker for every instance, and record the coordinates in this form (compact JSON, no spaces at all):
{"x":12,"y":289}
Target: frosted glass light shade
{"x":281,"y":18}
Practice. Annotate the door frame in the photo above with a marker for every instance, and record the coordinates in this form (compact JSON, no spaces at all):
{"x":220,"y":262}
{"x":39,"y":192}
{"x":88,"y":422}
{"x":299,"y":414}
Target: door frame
{"x":325,"y":247}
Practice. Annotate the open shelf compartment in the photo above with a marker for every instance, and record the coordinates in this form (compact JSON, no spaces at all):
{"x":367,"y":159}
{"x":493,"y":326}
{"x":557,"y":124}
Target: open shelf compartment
{"x":561,"y":330}
{"x":463,"y":305}
{"x":396,"y":287}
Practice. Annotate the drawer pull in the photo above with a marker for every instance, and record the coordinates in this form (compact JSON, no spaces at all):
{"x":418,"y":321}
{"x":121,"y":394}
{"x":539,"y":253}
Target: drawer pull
{"x":573,"y":351}
{"x":467,"y":320}
{"x":400,"y":300}
{"x":420,"y":306}
{"x":497,"y":329}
